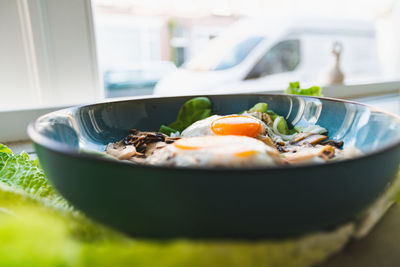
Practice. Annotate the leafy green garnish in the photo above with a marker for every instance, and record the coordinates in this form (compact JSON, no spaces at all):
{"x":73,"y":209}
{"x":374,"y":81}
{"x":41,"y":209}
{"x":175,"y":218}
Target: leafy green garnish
{"x":272,"y":114}
{"x":294,"y":89}
{"x":259,"y":107}
{"x":4,"y":149}
{"x":18,"y":171}
{"x":298,"y":128}
{"x":282,"y":126}
{"x":193,"y":110}
{"x":167,"y":130}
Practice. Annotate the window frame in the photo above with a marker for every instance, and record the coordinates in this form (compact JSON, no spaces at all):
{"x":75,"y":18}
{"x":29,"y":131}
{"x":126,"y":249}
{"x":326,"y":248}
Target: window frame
{"x":59,"y":52}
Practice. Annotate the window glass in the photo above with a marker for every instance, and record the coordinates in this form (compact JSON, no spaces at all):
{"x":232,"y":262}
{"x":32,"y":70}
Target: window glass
{"x":282,"y":57}
{"x":224,"y":53}
{"x":238,"y":53}
{"x":209,"y":41}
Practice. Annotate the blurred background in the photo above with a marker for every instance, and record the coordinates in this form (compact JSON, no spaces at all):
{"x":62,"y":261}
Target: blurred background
{"x":172,"y":47}
{"x":57,"y":53}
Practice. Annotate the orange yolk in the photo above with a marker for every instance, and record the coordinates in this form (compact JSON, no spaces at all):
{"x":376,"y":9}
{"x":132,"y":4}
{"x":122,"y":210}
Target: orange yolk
{"x":207,"y":142}
{"x":245,"y":154}
{"x":236,"y":125}
{"x":192,"y":143}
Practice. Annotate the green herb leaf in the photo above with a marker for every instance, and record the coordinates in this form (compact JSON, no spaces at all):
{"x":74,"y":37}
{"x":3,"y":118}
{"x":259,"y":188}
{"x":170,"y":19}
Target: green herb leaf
{"x":282,"y":126}
{"x":259,"y":107}
{"x":20,"y":172}
{"x":298,"y":128}
{"x":167,"y":130}
{"x":272,"y":114}
{"x":195,"y":109}
{"x":294,"y":89}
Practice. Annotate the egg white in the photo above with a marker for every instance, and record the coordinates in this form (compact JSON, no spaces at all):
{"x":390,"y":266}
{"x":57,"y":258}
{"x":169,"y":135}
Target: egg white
{"x":200,"y":128}
{"x":203,"y":127}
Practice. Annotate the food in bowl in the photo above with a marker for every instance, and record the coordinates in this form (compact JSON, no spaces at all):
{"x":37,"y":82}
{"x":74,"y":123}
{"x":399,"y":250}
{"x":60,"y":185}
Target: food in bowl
{"x":255,"y":137}
{"x":200,"y":202}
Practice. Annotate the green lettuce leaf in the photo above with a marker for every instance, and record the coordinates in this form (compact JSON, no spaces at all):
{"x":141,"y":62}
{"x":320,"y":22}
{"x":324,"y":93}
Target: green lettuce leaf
{"x":294,"y":89}
{"x":193,"y":110}
{"x":4,"y":149}
{"x":19,"y":172}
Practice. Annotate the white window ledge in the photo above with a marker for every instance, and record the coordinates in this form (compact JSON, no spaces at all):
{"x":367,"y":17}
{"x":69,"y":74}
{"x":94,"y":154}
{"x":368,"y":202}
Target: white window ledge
{"x":15,"y":122}
{"x":352,"y":91}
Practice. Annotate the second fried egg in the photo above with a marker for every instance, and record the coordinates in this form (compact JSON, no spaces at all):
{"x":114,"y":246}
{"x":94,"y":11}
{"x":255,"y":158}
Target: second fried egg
{"x":224,"y":151}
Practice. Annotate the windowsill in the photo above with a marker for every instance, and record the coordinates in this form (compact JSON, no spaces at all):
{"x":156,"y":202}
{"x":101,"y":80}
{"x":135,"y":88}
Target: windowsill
{"x":361,"y":90}
{"x":22,"y":146}
{"x":15,"y":122}
{"x":352,"y":91}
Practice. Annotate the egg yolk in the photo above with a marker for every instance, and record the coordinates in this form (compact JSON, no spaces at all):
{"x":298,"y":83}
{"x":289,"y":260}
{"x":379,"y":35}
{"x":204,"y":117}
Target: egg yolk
{"x":212,"y":142}
{"x":192,"y":143}
{"x":246,"y":153}
{"x":236,"y":125}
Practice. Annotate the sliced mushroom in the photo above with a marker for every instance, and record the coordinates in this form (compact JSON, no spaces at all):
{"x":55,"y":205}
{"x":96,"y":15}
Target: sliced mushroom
{"x":307,"y":154}
{"x":121,"y":152}
{"x":338,"y":144}
{"x":313,"y":139}
{"x":267,"y":119}
{"x":144,"y":143}
{"x":267,"y":140}
{"x":300,"y":136}
{"x":127,"y":152}
{"x":294,"y":148}
{"x":153,"y":147}
{"x":327,"y":152}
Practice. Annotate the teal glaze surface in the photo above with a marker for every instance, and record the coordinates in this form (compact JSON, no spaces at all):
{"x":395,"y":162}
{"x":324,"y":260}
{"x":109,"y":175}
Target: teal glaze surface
{"x":150,"y":201}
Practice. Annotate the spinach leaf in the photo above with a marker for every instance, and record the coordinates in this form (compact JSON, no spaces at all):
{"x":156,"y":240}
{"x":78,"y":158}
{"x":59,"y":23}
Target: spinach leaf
{"x":193,"y":110}
{"x":167,"y":130}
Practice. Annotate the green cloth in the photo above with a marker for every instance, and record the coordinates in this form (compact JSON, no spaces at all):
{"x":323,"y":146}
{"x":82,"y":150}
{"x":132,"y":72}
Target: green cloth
{"x":37,"y":228}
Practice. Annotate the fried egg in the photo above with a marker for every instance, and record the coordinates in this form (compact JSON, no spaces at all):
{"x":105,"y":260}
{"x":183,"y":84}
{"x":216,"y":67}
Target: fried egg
{"x":226,"y":125}
{"x":216,"y":150}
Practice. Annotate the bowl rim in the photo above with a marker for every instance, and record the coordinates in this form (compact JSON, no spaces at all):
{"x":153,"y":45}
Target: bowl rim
{"x":61,"y":148}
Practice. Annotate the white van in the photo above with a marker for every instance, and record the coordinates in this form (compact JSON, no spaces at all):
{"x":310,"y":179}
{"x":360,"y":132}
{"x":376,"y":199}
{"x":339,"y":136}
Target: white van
{"x":259,"y":55}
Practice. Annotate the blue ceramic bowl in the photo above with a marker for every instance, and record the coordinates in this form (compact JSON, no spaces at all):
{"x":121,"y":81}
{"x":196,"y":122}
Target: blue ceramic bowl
{"x":199,"y":202}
